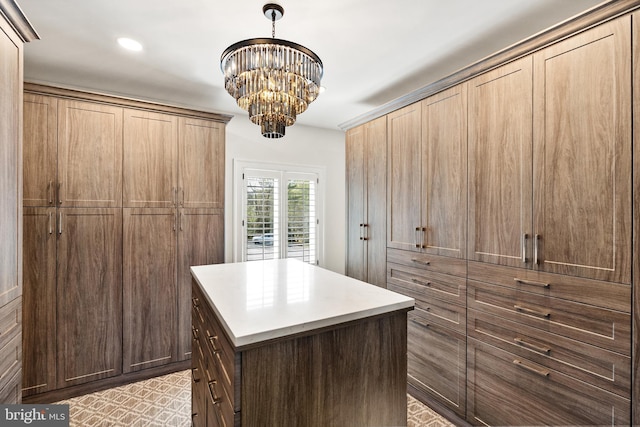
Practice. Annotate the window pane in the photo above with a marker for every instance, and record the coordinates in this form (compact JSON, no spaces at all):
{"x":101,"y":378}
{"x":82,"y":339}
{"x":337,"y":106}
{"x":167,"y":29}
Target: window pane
{"x":301,"y":220}
{"x":263,"y":240}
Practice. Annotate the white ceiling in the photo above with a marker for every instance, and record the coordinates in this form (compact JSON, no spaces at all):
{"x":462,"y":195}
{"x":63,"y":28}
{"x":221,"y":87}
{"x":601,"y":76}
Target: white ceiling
{"x":373,"y":51}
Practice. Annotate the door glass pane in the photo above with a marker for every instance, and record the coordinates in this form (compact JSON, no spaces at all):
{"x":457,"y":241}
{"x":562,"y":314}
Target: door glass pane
{"x":301,"y":220}
{"x":262,"y":214}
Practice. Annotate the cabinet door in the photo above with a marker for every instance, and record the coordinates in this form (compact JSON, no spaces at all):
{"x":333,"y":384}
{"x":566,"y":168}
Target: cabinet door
{"x":89,"y":154}
{"x":375,"y":230}
{"x":89,"y":295}
{"x":150,"y":162}
{"x":444,"y":173}
{"x":150,"y":295}
{"x":355,"y":143}
{"x":200,"y":242}
{"x":201,"y":163}
{"x":500,"y":171}
{"x":403,"y":177}
{"x":582,"y":187}
{"x":40,"y":154}
{"x":39,"y":298}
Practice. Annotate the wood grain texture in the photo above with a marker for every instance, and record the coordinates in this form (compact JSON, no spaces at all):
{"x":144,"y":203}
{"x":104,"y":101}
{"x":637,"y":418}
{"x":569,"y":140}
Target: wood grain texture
{"x":149,"y":288}
{"x":404,"y":172}
{"x":356,"y":263}
{"x":353,"y":376}
{"x":635,"y":301}
{"x":500,"y":138}
{"x":150,"y":161}
{"x":200,"y":242}
{"x":444,"y":172}
{"x":505,"y":389}
{"x":201,"y":148}
{"x":89,"y":295}
{"x":40,"y":154}
{"x":582,"y":157}
{"x":89,"y":154}
{"x":39,"y":296}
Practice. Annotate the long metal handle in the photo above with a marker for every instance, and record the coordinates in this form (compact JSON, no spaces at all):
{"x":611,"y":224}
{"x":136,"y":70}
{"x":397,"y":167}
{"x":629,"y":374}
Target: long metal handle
{"x":50,"y":224}
{"x":531,"y":311}
{"x":540,"y":372}
{"x":365,"y":234}
{"x":534,"y":347}
{"x":213,"y":339}
{"x":415,"y":238}
{"x":181,"y":220}
{"x":50,"y":192}
{"x":60,"y":223}
{"x":525,"y":236}
{"x":182,"y":202}
{"x":214,"y":398}
{"x":361,"y":231}
{"x":423,"y":324}
{"x":423,"y":237}
{"x":419,"y":261}
{"x":193,"y":375}
{"x":536,"y":238}
{"x":532,"y":283}
{"x":420,"y":282}
{"x":174,"y":191}
{"x":59,"y":193}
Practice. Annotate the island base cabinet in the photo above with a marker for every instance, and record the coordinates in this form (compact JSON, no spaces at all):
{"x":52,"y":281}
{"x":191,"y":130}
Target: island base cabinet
{"x":505,"y":389}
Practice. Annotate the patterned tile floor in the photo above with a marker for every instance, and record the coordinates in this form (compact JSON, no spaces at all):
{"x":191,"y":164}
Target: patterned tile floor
{"x":166,"y":402}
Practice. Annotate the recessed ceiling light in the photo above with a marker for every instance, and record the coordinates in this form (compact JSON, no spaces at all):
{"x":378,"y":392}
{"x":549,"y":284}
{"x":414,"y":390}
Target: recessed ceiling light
{"x":129,"y":44}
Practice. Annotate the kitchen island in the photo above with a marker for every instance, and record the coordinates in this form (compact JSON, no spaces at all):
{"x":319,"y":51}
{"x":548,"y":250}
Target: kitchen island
{"x":282,"y":342}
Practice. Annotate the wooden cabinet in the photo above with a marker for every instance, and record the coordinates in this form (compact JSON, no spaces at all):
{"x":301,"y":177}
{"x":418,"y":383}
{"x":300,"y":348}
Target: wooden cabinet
{"x":500,"y":169}
{"x":149,"y":288}
{"x":89,"y":154}
{"x":150,"y":159}
{"x":366,"y":148}
{"x":39,"y":296}
{"x":427,"y":178}
{"x":89,"y":295}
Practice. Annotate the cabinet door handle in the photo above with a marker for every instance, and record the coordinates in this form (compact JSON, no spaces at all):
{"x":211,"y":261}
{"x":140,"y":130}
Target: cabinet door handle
{"x":50,"y":224}
{"x":174,"y":195}
{"x":539,"y":349}
{"x":531,"y":311}
{"x":214,"y":398}
{"x":416,"y":238}
{"x":50,"y":192}
{"x":182,"y":201}
{"x":423,"y":237}
{"x":532,"y":283}
{"x":59,"y":193}
{"x":365,"y":233}
{"x":540,"y":372}
{"x":525,"y":236}
{"x":60,"y":223}
{"x":181,"y":219}
{"x":361,"y":231}
{"x":193,"y":375}
{"x":536,"y":238}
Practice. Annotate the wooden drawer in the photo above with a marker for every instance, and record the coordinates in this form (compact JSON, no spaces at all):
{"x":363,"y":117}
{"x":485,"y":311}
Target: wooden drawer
{"x":435,"y":311}
{"x":11,"y":390}
{"x":11,"y":321}
{"x":605,"y":369}
{"x":505,"y":389}
{"x":602,"y":294}
{"x":198,"y":384}
{"x":10,"y":358}
{"x":593,"y":325}
{"x":436,"y":360}
{"x":436,"y":263}
{"x":425,"y":285}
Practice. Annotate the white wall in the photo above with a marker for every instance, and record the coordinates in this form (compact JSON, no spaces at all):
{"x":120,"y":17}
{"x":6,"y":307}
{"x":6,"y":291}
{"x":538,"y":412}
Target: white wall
{"x":302,"y":145}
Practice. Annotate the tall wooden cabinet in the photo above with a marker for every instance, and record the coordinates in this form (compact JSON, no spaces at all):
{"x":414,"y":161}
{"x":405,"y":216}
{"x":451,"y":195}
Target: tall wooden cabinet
{"x":107,"y":241}
{"x":531,"y":319}
{"x":15,"y":30}
{"x":366,"y":148}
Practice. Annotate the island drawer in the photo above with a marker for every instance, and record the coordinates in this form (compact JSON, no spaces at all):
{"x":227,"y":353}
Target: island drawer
{"x":605,"y":369}
{"x":425,"y":285}
{"x":435,"y":263}
{"x":507,"y":389}
{"x":598,"y":326}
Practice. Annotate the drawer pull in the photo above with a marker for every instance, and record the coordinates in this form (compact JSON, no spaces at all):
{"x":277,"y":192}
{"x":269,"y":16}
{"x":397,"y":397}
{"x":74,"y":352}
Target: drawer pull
{"x":213,"y":339}
{"x":534,"y":347}
{"x":193,"y":375}
{"x":540,"y":372}
{"x":195,"y":301}
{"x":424,"y":325}
{"x":194,"y":332}
{"x":531,"y":311}
{"x":419,"y":261}
{"x":532,"y":283}
{"x":420,"y":282}
{"x":214,"y":397}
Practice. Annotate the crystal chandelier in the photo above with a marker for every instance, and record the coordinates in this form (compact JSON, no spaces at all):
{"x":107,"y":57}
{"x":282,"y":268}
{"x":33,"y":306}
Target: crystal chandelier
{"x":273,"y":79}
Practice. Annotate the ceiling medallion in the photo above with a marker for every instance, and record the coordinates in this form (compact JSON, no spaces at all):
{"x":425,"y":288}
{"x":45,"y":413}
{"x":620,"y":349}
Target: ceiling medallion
{"x":273,"y":79}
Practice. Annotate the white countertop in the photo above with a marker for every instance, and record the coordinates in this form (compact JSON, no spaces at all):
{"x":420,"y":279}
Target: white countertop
{"x":261,"y":300}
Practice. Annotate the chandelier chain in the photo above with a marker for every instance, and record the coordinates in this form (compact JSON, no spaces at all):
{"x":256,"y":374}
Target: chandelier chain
{"x":273,"y":24}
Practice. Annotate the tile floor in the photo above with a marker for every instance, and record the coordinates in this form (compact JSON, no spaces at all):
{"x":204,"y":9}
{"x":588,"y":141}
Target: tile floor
{"x":166,"y":402}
